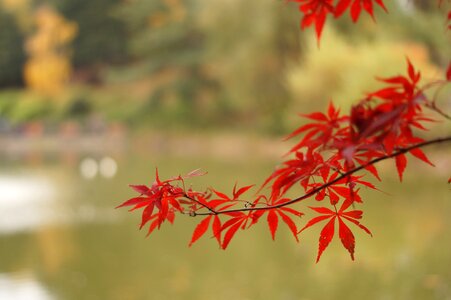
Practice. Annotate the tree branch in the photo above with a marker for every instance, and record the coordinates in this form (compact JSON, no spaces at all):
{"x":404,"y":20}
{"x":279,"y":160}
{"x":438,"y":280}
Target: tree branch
{"x":341,"y":177}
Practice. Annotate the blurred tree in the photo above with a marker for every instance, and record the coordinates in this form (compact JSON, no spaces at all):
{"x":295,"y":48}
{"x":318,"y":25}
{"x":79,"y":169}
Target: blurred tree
{"x":221,"y":61}
{"x":166,"y":39}
{"x":101,"y":39}
{"x":252,"y":55}
{"x":12,"y":56}
{"x":48,"y":68}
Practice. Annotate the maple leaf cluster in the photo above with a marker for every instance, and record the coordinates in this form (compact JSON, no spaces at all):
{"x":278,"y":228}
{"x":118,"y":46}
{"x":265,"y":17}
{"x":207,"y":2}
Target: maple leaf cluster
{"x":330,"y":148}
{"x":316,"y":12}
{"x":328,"y":151}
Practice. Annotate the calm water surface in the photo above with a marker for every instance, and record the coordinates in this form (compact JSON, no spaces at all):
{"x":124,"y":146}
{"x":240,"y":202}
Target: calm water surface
{"x":61,"y":238}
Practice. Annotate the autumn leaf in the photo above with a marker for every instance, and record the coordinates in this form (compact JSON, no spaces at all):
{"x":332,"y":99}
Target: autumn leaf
{"x":273,"y":222}
{"x":401,"y":163}
{"x":344,"y":232}
{"x":230,"y":233}
{"x":200,"y":229}
{"x":331,"y":148}
{"x":346,"y":237}
{"x":448,"y":70}
{"x":326,"y":235}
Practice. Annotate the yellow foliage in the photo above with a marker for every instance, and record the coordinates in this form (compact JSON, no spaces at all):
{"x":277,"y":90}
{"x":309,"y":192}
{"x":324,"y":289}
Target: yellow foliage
{"x":14,"y":5}
{"x":177,"y":13}
{"x":48,"y":74}
{"x":48,"y":68}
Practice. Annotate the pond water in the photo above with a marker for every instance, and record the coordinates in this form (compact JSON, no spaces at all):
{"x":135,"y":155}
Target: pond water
{"x":61,"y":238}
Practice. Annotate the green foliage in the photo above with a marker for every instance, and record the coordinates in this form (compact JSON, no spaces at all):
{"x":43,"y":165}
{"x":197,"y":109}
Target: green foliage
{"x":166,"y":39}
{"x":101,"y":37}
{"x":12,"y":57}
{"x":31,"y":107}
{"x":200,"y":63}
{"x":8,"y":99}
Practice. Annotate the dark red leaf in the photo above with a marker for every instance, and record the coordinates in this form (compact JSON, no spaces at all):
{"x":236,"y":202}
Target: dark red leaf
{"x":230,"y":233}
{"x":152,"y":226}
{"x":418,"y":153}
{"x":322,"y":210}
{"x":401,"y":163}
{"x":341,"y":190}
{"x":141,"y":205}
{"x":346,"y":237}
{"x":317,"y":116}
{"x":164,"y":209}
{"x":345,"y":205}
{"x":232,"y":221}
{"x":290,"y":223}
{"x":410,"y":70}
{"x":147,"y":214}
{"x":170,"y":216}
{"x":368,"y":7}
{"x":381,"y":4}
{"x":355,"y":214}
{"x":237,"y":194}
{"x":314,"y":221}
{"x":301,"y":129}
{"x":325,"y":237}
{"x":175,"y":203}
{"x":319,"y":24}
{"x":221,"y":195}
{"x":307,"y":20}
{"x":355,"y":10}
{"x":358,"y":224}
{"x":341,"y":7}
{"x":255,"y":216}
{"x":397,"y":80}
{"x":448,"y":71}
{"x":142,"y":189}
{"x":200,"y":229}
{"x":372,"y":169}
{"x":134,"y":201}
{"x":334,"y":198}
{"x":273,"y":222}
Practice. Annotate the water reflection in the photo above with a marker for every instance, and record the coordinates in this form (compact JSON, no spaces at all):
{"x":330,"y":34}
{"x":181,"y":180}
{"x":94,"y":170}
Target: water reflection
{"x":26,"y":202}
{"x":106,"y":167}
{"x":30,"y":202}
{"x":62,"y":227}
{"x":22,"y":287}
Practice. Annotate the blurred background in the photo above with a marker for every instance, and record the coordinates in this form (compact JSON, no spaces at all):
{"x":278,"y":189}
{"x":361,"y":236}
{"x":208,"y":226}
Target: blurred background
{"x":95,"y":94}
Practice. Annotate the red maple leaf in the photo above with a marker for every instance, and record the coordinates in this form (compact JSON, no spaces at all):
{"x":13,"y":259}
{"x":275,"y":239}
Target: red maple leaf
{"x":285,"y":213}
{"x":315,"y":13}
{"x":344,"y":232}
{"x":356,"y":7}
{"x":202,"y":228}
{"x":321,"y":131}
{"x":448,"y":70}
